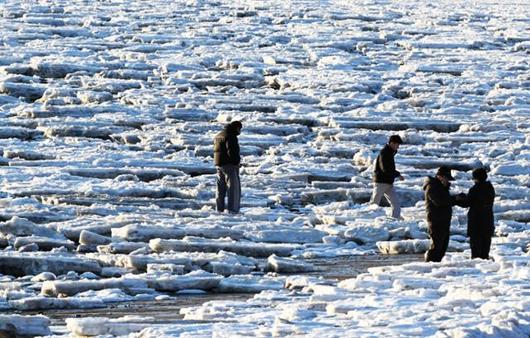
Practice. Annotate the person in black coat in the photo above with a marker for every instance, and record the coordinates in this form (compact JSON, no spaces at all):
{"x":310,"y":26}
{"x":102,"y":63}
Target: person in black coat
{"x":384,"y":175}
{"x":480,"y":221}
{"x":227,"y":160}
{"x":439,"y":207}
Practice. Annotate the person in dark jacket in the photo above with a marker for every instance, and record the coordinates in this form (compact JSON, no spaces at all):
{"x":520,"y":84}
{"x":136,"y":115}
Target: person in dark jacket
{"x":480,"y":227}
{"x":227,"y":160}
{"x":439,"y":206}
{"x":384,"y":175}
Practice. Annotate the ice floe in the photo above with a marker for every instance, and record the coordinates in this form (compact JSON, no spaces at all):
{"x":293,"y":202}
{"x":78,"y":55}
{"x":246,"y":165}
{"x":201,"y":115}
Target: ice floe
{"x":107,"y":117}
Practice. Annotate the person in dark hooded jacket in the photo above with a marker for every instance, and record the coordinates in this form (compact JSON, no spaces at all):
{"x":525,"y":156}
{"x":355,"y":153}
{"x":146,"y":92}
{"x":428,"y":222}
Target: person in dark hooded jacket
{"x":227,"y":160}
{"x":480,"y":221}
{"x":384,"y":175}
{"x":439,"y":206}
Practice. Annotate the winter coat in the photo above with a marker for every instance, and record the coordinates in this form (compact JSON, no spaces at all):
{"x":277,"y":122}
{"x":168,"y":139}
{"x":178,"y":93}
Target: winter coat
{"x":385,"y":167}
{"x":479,"y":199}
{"x":226,"y":147}
{"x":438,"y":204}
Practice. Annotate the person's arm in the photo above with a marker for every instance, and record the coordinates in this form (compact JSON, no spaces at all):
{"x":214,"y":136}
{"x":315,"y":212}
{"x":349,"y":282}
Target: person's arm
{"x":491,"y":197}
{"x":462,"y":200}
{"x":232,"y":147}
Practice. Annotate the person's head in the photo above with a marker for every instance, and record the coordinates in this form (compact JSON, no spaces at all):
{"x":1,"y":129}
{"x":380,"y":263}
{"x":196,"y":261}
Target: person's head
{"x":444,"y":175}
{"x":234,"y":127}
{"x":394,"y":141}
{"x":479,"y":175}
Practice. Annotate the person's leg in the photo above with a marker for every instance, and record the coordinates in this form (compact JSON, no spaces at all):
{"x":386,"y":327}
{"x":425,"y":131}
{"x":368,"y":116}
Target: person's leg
{"x":439,"y":243}
{"x":393,"y":199}
{"x":486,"y":245}
{"x":377,"y":193}
{"x":476,"y":247}
{"x":237,"y":192}
{"x":221,"y":190}
{"x":431,"y":255}
{"x":434,"y":250}
{"x":445,"y":244}
{"x":480,"y":246}
{"x":234,"y":188}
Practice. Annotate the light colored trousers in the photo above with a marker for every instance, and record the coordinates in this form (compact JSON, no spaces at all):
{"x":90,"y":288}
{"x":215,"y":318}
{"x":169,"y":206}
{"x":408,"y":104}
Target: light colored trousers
{"x":228,"y":183}
{"x":387,"y":190}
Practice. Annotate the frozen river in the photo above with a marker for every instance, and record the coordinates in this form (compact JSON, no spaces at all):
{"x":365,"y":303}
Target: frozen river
{"x":107,"y":114}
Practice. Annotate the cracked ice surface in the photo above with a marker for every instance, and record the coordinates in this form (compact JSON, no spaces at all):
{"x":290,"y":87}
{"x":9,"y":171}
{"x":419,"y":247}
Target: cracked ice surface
{"x":107,"y":114}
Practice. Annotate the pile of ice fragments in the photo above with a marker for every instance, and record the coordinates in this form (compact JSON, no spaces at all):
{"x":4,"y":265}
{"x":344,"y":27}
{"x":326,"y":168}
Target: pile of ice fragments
{"x":107,"y":114}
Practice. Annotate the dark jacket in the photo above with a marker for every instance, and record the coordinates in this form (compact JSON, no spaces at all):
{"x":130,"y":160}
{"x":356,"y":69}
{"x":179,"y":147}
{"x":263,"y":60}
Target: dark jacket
{"x":226,"y":147}
{"x":479,"y":199}
{"x":385,"y":167}
{"x":438,"y":204}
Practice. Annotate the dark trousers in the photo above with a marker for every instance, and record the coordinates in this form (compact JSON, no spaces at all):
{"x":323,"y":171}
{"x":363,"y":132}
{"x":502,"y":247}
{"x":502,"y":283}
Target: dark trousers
{"x":228,"y":184}
{"x":439,"y":243}
{"x":480,"y":246}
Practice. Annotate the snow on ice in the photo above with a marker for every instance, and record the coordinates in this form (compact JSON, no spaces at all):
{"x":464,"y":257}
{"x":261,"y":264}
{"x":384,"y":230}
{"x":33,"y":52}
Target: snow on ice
{"x":107,"y":114}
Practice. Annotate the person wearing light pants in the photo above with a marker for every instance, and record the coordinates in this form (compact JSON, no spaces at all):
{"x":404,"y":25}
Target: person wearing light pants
{"x":227,"y":160}
{"x":384,"y":175}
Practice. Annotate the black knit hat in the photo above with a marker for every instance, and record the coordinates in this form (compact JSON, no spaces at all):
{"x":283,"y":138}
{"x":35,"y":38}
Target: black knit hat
{"x":396,"y":139}
{"x":480,"y":174}
{"x":445,"y":172}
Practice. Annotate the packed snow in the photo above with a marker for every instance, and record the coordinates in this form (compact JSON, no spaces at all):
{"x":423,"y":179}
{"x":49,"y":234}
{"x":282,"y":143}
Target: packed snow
{"x":107,"y":115}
